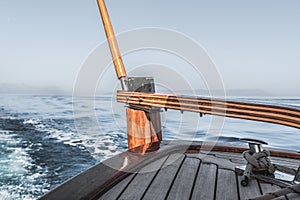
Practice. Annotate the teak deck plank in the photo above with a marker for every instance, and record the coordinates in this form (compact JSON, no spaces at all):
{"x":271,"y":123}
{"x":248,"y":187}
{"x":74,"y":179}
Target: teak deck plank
{"x":142,"y":180}
{"x":205,"y":184}
{"x":163,"y":181}
{"x":117,"y":190}
{"x":226,"y":185}
{"x":252,"y":189}
{"x":192,"y":176}
{"x":268,"y":188}
{"x":292,"y":163}
{"x":184,"y":181}
{"x":237,"y":158}
{"x":293,"y":196}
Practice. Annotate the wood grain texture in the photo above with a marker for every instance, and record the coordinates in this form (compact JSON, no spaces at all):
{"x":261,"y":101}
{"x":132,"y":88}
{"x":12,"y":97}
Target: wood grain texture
{"x":250,"y":191}
{"x":206,"y":146}
{"x":205,"y":184}
{"x":269,"y":188}
{"x":82,"y":186}
{"x":142,"y":128}
{"x":226,"y":185}
{"x":113,"y":194}
{"x":293,"y":196}
{"x":163,"y":181}
{"x":216,"y":176}
{"x":142,"y":180}
{"x":113,"y":45}
{"x":249,"y":111}
{"x":183,"y":184}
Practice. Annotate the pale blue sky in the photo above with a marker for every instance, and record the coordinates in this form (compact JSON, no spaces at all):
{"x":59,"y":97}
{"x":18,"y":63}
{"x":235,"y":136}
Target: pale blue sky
{"x":255,"y":44}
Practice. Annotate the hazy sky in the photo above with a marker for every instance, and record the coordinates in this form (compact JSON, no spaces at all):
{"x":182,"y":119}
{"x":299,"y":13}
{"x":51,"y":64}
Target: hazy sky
{"x":255,"y":44}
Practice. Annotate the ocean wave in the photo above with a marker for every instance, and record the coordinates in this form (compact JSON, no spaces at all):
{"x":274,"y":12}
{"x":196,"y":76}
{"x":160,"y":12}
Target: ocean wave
{"x":103,"y":147}
{"x":67,"y":137}
{"x":17,"y":181}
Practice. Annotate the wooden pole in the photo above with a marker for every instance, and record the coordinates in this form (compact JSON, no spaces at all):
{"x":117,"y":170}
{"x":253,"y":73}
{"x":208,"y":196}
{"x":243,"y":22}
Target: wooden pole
{"x":113,"y":45}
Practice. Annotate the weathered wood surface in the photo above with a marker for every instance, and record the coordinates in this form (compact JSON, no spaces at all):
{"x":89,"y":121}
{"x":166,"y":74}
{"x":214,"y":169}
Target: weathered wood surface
{"x":205,"y":183}
{"x":226,"y":185}
{"x":194,"y":176}
{"x":293,"y":196}
{"x":118,"y":189}
{"x":251,"y":190}
{"x":102,"y":179}
{"x":184,"y":182}
{"x":237,"y":158}
{"x":269,"y":188}
{"x":138,"y":186}
{"x":164,"y":179}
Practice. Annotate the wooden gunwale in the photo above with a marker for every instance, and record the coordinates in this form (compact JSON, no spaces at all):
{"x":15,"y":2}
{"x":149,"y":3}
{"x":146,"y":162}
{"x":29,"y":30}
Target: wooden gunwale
{"x":236,"y":149}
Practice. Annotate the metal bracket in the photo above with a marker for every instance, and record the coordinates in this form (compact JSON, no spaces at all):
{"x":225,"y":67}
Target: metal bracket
{"x":144,"y":109}
{"x":124,"y":81}
{"x":140,"y":84}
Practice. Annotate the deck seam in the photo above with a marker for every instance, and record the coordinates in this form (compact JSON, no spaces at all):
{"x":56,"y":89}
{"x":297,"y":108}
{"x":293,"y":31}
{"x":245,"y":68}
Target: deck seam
{"x":237,"y":186}
{"x":142,"y":197}
{"x":177,"y":172}
{"x":259,"y":187}
{"x":195,"y":179}
{"x":216,"y":182}
{"x":123,"y":190}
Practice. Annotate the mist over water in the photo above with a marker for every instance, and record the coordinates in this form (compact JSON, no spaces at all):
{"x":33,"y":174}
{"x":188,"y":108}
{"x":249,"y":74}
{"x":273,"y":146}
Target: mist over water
{"x":41,"y":147}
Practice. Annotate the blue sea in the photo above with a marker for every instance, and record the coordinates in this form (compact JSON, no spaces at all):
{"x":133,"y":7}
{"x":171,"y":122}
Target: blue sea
{"x":47,"y":139}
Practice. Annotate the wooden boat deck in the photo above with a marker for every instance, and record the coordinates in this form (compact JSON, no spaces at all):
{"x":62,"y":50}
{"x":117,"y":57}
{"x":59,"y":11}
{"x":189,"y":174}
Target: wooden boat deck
{"x":175,"y":171}
{"x":195,"y":176}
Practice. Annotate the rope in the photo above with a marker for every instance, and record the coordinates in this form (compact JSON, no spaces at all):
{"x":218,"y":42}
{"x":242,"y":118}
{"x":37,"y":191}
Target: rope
{"x":259,"y":161}
{"x":279,"y":193}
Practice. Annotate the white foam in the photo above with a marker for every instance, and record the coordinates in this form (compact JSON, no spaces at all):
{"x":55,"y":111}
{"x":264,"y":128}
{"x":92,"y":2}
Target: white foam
{"x":32,"y":121}
{"x":69,"y":138}
{"x":100,"y":146}
{"x":15,"y":165}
